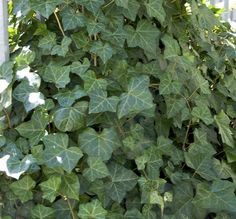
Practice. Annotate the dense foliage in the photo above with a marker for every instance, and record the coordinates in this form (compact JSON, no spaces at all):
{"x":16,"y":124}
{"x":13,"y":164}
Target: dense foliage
{"x":118,"y":109}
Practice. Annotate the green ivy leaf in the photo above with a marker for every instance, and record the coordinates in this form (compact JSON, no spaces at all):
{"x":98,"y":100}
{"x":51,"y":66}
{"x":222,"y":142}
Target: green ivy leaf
{"x":202,"y":112}
{"x":156,"y":10}
{"x":68,"y":97}
{"x":22,"y":188}
{"x":104,"y":51}
{"x":174,"y":105}
{"x":137,"y":98}
{"x":219,"y":196}
{"x":50,"y":188}
{"x":99,"y":102}
{"x":92,"y":210}
{"x":91,"y":5}
{"x":222,"y":121}
{"x":62,"y":50}
{"x":92,"y":83}
{"x":122,"y":180}
{"x":59,"y":75}
{"x":144,"y":36}
{"x":72,"y":19}
{"x":97,"y":169}
{"x":58,"y":154}
{"x":45,"y":8}
{"x":80,"y":68}
{"x":172,"y":48}
{"x":42,"y":212}
{"x":70,"y":186}
{"x":132,"y":9}
{"x":99,"y":145}
{"x":34,"y":129}
{"x":6,"y":75}
{"x":48,"y":41}
{"x":71,"y":118}
{"x":122,"y":3}
{"x":169,"y":85}
{"x":94,"y":26}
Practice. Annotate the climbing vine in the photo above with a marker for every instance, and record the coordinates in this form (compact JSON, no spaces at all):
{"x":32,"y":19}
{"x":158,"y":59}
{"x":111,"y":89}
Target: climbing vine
{"x":118,"y":109}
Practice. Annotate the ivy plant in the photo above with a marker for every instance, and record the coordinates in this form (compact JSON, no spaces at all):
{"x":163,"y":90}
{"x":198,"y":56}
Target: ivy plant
{"x":118,"y":109}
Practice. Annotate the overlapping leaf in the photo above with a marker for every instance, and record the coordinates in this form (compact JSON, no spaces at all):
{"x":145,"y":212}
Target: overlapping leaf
{"x":58,"y":154}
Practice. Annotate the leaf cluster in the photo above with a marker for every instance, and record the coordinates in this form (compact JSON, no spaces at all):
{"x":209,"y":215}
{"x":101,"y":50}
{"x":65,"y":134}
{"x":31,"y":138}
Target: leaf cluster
{"x":118,"y":109}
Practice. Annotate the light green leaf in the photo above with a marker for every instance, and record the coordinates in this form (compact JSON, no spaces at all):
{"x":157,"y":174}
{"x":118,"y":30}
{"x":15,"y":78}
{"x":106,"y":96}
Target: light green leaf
{"x":48,"y":41}
{"x":91,"y":5}
{"x":172,"y":48}
{"x":71,"y":118}
{"x":72,"y":19}
{"x":70,"y":186}
{"x":91,"y":83}
{"x":223,"y":121}
{"x":62,"y":50}
{"x":92,"y":210}
{"x":156,"y":10}
{"x":34,"y":129}
{"x":50,"y":188}
{"x":46,"y":7}
{"x":97,"y":169}
{"x":99,"y":102}
{"x":217,"y":197}
{"x":104,"y":51}
{"x":99,"y":145}
{"x":22,"y":188}
{"x":169,"y":85}
{"x":80,"y":68}
{"x":202,"y":112}
{"x":150,"y":161}
{"x":68,"y":97}
{"x":59,"y":75}
{"x":122,"y":181}
{"x":42,"y":212}
{"x":137,"y":98}
{"x":144,"y":36}
{"x":58,"y":154}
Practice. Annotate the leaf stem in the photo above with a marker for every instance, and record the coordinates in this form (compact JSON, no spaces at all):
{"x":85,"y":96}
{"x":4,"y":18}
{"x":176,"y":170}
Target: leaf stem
{"x":8,"y":118}
{"x":59,"y":23}
{"x":95,"y":56}
{"x":109,"y":3}
{"x":71,"y":209}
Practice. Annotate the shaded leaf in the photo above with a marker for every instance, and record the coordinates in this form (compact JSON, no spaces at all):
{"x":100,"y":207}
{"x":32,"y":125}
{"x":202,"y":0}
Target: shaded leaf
{"x":122,"y":181}
{"x":22,"y":188}
{"x":99,"y":145}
